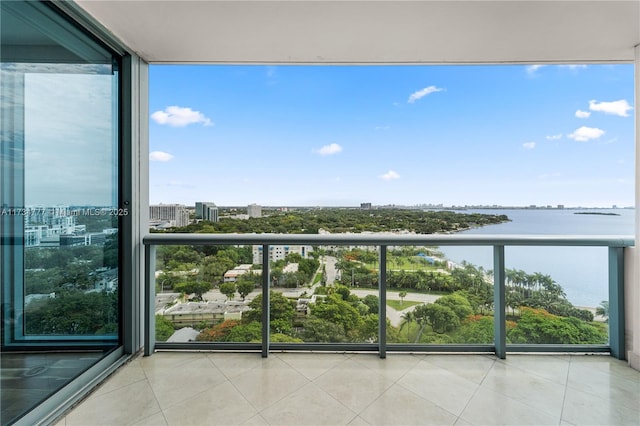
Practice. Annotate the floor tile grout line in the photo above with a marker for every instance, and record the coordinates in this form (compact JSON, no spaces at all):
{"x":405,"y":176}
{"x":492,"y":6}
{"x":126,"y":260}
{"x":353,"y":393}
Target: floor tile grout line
{"x":153,"y":392}
{"x":538,"y":377}
{"x":566,"y":386}
{"x":335,"y":366}
{"x":258,"y":410}
{"x":475,"y":392}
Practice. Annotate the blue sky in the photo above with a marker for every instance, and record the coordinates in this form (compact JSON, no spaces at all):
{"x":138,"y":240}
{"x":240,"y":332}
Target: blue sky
{"x":342,"y":135}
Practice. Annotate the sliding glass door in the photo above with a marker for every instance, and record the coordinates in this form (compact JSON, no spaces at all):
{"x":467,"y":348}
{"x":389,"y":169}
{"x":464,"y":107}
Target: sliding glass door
{"x":60,"y":192}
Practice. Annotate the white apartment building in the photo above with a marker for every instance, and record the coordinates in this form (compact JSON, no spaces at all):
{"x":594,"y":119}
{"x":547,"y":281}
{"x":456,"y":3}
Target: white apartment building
{"x":49,"y":223}
{"x":175,"y":214}
{"x":280,"y":252}
{"x":254,"y":210}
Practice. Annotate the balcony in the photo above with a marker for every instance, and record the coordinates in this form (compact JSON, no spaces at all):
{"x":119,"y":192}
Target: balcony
{"x":196,"y":383}
{"x":68,"y":44}
{"x":172,"y":388}
{"x":378,"y":341}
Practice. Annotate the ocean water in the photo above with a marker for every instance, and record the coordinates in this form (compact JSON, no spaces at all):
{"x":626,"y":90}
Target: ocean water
{"x":581,"y":271}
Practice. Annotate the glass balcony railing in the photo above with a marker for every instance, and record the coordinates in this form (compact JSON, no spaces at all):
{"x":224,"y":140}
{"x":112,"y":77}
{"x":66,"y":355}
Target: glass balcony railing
{"x":264,"y":292}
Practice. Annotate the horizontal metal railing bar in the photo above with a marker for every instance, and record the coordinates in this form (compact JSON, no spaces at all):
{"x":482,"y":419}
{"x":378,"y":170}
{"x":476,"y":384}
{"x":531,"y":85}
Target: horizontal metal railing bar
{"x":542,"y":347}
{"x":429,"y":347}
{"x":391,"y":240}
{"x":392,"y":347}
{"x":325,"y":347}
{"x":207,"y":346}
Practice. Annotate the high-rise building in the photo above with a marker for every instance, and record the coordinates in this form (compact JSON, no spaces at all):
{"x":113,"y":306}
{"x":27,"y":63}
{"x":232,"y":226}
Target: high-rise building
{"x":206,"y":210}
{"x":175,"y":214}
{"x":254,"y":210}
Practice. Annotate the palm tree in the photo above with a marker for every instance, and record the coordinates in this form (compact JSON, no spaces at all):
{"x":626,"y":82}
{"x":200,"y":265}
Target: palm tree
{"x":420,"y":316}
{"x":408,"y":318}
{"x":603,"y":310}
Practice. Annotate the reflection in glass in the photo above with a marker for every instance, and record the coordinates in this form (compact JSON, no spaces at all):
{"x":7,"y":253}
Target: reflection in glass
{"x":550,"y":303}
{"x":59,"y":198}
{"x":60,"y":215}
{"x":433,"y":300}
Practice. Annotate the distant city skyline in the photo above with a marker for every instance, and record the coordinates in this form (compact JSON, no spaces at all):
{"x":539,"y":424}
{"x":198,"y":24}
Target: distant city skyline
{"x":505,"y":135}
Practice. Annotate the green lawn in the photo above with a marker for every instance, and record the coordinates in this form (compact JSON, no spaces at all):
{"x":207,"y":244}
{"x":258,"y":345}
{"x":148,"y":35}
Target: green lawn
{"x":412,"y":263}
{"x":398,"y":306}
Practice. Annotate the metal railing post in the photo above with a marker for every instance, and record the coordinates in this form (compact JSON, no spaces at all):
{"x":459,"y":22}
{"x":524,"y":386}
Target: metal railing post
{"x":382,"y":305}
{"x":499,"y":309}
{"x":265,"y":301}
{"x":616,"y":302}
{"x":150,"y":300}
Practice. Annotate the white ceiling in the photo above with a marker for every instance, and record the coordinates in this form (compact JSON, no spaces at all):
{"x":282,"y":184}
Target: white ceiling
{"x":369,"y":31}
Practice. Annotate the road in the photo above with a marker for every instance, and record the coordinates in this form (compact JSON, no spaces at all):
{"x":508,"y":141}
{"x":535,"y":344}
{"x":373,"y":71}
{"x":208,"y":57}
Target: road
{"x":395,"y":317}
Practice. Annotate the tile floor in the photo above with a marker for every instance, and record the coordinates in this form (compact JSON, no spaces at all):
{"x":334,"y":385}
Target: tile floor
{"x":26,"y":379}
{"x":172,"y":388}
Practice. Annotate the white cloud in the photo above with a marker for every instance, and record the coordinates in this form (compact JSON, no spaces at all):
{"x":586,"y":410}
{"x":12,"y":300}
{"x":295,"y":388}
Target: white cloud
{"x":390,"y":175}
{"x":424,"y":92}
{"x":582,"y":114}
{"x":584,"y":134}
{"x":382,"y":127}
{"x":176,"y":116}
{"x":160,"y":156}
{"x":554,"y":137}
{"x":549,"y":175}
{"x":620,"y":107}
{"x":529,"y":145}
{"x":574,"y":66}
{"x":532,"y":69}
{"x":330,"y":149}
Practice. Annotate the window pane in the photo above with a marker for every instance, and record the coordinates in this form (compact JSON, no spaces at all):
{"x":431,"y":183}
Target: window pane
{"x":59,"y":181}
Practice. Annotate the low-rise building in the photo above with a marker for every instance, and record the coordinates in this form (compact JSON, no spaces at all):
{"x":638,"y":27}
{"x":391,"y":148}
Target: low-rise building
{"x":191,"y":314}
{"x":232,"y":274}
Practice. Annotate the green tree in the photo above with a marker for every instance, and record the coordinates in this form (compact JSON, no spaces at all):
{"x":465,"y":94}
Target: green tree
{"x":164,"y":328}
{"x":408,"y":317}
{"x":372,"y":302}
{"x":198,"y":288}
{"x":420,"y":316}
{"x":603,"y":309}
{"x":457,"y":303}
{"x":338,"y":311}
{"x":402,"y":295}
{"x":537,"y":326}
{"x":228,"y":289}
{"x":214,"y":267}
{"x":166,"y":281}
{"x":318,"y":330}
{"x":368,"y":331}
{"x":246,"y":284}
{"x":251,"y":332}
{"x":441,"y":318}
{"x":476,"y":329}
{"x":74,"y":313}
{"x":281,"y":312}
